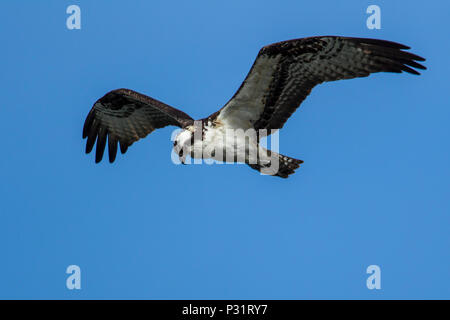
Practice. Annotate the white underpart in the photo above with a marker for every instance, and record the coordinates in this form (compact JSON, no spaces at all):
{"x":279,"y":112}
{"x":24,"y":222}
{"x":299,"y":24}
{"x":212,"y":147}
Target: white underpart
{"x":230,"y":135}
{"x":222,"y":144}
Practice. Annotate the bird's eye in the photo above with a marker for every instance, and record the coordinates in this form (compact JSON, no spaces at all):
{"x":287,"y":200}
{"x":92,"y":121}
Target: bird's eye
{"x":175,"y":143}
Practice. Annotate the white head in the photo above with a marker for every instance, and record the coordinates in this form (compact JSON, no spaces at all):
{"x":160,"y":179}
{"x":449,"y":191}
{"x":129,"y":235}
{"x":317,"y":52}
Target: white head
{"x":182,"y":144}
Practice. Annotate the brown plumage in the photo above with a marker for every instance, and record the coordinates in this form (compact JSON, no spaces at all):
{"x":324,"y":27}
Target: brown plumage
{"x":282,"y":76}
{"x":125,"y":116}
{"x":301,"y":64}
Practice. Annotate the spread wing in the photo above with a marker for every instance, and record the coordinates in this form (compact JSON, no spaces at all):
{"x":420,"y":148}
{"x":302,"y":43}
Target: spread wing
{"x":124,"y":116}
{"x":284,"y":73}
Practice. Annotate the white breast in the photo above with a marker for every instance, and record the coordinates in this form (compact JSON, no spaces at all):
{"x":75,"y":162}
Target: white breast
{"x":222,"y":144}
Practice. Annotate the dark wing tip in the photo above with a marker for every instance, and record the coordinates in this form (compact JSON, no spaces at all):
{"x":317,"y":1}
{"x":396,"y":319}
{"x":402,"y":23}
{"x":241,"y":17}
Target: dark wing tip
{"x":410,"y":70}
{"x":112,"y":148}
{"x":392,"y":55}
{"x":123,"y":147}
{"x":91,"y":134}
{"x":88,"y":123}
{"x":381,"y":43}
{"x":95,"y":132}
{"x":101,"y":143}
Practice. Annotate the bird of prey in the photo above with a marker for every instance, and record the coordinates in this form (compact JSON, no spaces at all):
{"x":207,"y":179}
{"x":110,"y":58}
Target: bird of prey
{"x":281,"y":77}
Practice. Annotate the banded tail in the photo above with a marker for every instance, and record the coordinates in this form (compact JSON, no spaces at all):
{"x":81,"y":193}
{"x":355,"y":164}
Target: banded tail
{"x":286,"y":166}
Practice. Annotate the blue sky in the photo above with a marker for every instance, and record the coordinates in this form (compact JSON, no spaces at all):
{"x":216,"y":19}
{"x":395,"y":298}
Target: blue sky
{"x":374,"y":188}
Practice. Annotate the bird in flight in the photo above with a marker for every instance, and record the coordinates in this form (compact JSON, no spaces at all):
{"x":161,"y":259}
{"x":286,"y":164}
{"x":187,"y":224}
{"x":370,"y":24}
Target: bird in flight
{"x":281,"y":77}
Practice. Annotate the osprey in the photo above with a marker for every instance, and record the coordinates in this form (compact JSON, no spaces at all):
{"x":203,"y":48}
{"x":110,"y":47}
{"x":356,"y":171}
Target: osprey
{"x":281,"y":77}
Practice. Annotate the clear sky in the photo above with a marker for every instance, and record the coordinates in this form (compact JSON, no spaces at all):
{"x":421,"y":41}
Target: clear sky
{"x":374,"y":188}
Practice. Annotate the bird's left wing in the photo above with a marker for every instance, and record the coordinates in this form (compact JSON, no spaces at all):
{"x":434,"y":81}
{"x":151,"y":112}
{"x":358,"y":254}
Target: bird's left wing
{"x":284,"y":73}
{"x":124,"y":116}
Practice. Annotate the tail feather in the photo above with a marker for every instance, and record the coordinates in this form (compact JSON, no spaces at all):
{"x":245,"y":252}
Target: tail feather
{"x":286,"y":166}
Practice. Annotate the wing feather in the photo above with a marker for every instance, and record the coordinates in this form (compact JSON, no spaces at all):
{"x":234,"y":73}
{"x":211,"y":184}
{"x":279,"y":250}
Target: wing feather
{"x":122,"y":116}
{"x":284,"y":74}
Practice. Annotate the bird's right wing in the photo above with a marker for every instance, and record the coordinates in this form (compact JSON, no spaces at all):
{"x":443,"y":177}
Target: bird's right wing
{"x":125,"y":116}
{"x":284,"y":73}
